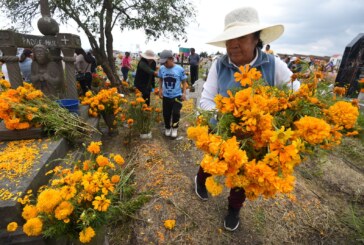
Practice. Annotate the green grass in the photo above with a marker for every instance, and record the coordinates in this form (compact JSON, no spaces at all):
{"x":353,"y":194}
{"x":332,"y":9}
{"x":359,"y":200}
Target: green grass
{"x":351,"y":149}
{"x":354,"y":219}
{"x":259,"y":219}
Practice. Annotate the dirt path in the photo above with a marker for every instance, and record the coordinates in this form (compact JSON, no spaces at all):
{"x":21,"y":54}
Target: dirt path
{"x":326,"y":194}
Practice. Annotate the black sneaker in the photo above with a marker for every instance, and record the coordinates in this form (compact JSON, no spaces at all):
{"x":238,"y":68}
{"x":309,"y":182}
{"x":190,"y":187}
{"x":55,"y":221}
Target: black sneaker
{"x":231,"y":222}
{"x":200,"y":190}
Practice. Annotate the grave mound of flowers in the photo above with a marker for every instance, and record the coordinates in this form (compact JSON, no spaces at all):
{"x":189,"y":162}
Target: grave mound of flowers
{"x":79,"y":199}
{"x":26,"y":107}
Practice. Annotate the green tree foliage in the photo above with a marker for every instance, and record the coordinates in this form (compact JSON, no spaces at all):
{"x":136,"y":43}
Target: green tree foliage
{"x":204,"y":54}
{"x":98,"y":18}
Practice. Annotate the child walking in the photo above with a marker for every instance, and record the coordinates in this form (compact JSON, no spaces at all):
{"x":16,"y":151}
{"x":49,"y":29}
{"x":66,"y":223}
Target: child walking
{"x":171,"y":76}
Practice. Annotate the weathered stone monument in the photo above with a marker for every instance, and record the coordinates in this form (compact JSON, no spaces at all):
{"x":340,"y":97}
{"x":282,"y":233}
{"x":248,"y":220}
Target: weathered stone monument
{"x":47,"y":74}
{"x":352,"y":66}
{"x":47,"y":66}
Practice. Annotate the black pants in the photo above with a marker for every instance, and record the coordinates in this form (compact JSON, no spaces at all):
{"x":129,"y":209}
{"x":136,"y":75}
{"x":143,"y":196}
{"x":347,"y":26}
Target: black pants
{"x":86,"y":84}
{"x":125,"y":71}
{"x":146,"y":97}
{"x":172,"y":111}
{"x":237,"y":195}
{"x":194,"y":73}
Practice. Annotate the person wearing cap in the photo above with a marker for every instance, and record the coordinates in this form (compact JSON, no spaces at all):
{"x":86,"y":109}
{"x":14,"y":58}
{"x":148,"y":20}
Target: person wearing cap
{"x":171,"y":77}
{"x":25,"y":64}
{"x":145,"y":73}
{"x":243,"y":38}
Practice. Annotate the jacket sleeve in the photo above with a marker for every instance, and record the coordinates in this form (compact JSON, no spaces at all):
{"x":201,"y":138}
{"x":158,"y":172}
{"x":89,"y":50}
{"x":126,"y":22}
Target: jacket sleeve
{"x":210,"y":90}
{"x":283,"y":75}
{"x":144,"y":66}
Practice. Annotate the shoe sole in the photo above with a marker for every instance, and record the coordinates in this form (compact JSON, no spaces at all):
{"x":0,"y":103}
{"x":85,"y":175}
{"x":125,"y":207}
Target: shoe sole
{"x":203,"y":199}
{"x":231,"y":229}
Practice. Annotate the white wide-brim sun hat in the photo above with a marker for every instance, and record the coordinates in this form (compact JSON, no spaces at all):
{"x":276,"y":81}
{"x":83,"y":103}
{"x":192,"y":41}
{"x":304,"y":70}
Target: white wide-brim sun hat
{"x":149,"y":55}
{"x":244,"y":21}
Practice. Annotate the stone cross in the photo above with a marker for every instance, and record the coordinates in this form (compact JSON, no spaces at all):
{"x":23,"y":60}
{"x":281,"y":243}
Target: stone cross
{"x":55,"y":43}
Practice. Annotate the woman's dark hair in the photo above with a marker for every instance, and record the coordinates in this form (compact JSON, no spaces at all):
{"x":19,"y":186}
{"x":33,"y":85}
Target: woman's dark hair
{"x":260,"y":42}
{"x":22,"y":58}
{"x":26,"y":54}
{"x":79,"y":51}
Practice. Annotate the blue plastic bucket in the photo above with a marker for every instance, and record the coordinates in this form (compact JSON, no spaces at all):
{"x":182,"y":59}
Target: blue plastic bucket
{"x":70,"y":104}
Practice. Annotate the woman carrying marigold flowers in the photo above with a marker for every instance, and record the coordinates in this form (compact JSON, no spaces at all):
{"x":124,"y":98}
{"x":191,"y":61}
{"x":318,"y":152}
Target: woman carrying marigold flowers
{"x":243,"y":45}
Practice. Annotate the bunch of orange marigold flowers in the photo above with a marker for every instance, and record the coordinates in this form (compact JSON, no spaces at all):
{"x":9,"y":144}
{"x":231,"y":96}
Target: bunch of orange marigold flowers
{"x":26,"y":107}
{"x":105,"y":101}
{"x":262,"y":133}
{"x":77,"y":201}
{"x":16,"y":107}
{"x":139,"y":116}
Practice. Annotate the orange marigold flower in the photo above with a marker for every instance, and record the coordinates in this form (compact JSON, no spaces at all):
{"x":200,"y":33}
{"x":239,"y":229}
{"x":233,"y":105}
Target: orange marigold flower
{"x":29,"y":212}
{"x":94,"y":147}
{"x":119,"y":159}
{"x":101,"y":203}
{"x":48,"y":200}
{"x":140,"y":100}
{"x":344,"y":114}
{"x":86,"y":165}
{"x":63,"y":210}
{"x":341,"y":91}
{"x":86,"y":235}
{"x":67,"y":192}
{"x":213,"y":187}
{"x":312,"y":129}
{"x":102,"y":161}
{"x":11,"y":227}
{"x":115,"y":179}
{"x":247,"y":75}
{"x":170,"y":224}
{"x":214,"y":165}
{"x":33,"y":227}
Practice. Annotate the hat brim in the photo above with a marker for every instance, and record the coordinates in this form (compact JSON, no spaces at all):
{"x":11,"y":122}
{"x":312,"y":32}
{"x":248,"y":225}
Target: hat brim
{"x":268,"y":33}
{"x":148,"y":57}
{"x":163,"y":60}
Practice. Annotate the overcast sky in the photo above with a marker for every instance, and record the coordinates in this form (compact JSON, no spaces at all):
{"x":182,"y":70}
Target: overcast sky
{"x":318,"y":27}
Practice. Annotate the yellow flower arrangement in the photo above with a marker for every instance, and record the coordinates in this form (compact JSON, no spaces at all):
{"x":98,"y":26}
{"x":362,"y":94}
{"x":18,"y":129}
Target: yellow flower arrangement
{"x":141,"y":117}
{"x":78,"y":201}
{"x":26,"y":107}
{"x":106,"y":101}
{"x":262,"y":132}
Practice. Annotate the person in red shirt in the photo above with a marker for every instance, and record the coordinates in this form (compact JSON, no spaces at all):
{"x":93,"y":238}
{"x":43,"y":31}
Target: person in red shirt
{"x":126,"y":65}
